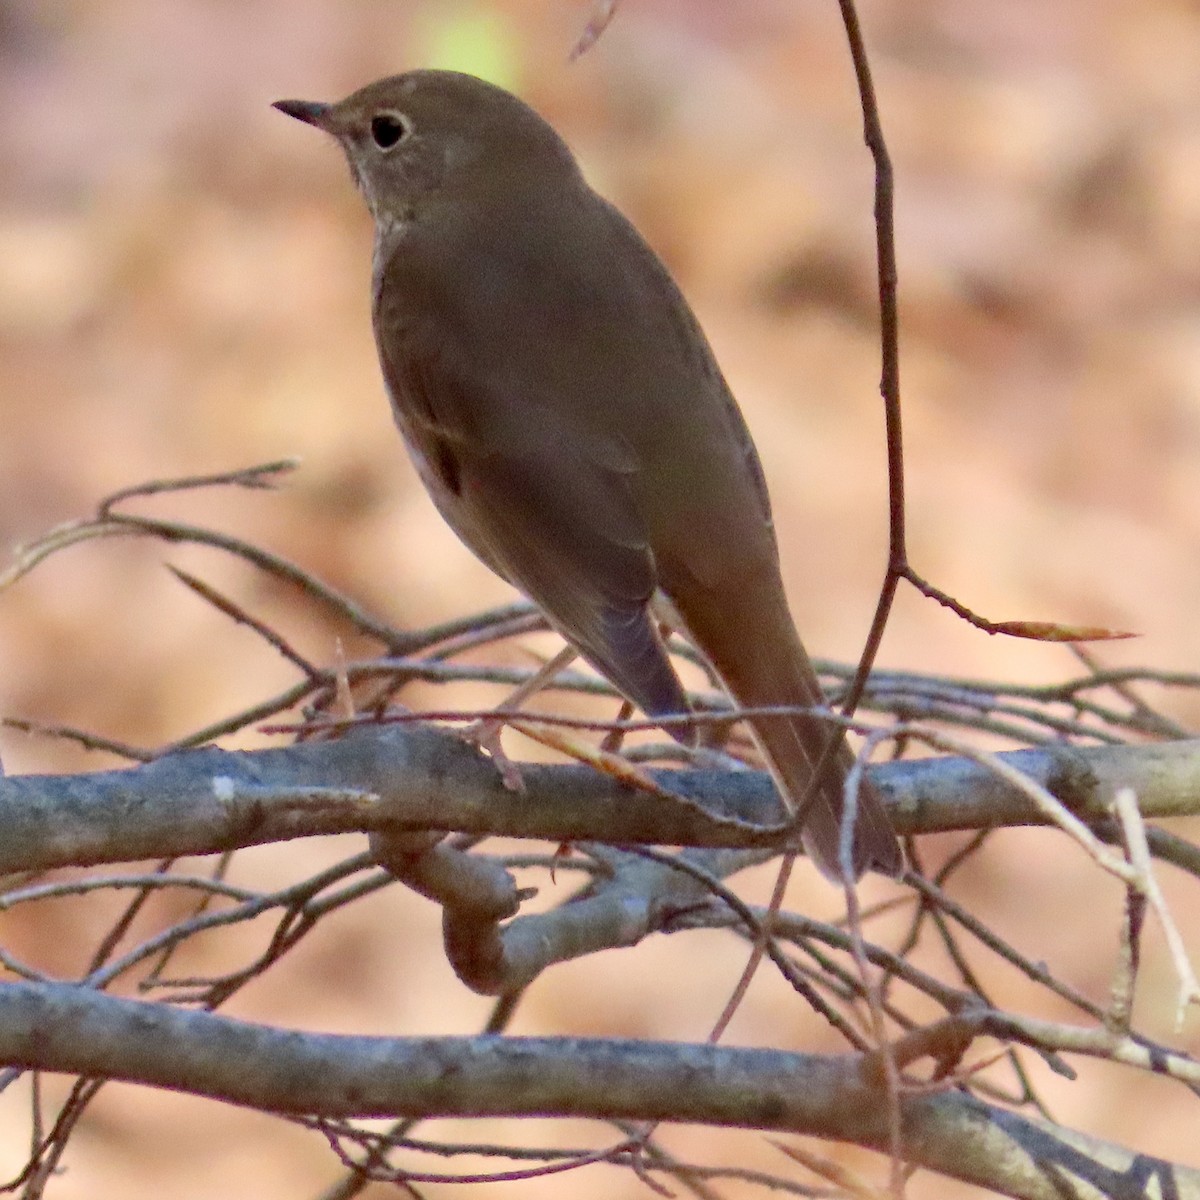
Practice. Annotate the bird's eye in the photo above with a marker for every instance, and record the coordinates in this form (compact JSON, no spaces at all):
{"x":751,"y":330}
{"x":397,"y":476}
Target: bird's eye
{"x":387,"y":129}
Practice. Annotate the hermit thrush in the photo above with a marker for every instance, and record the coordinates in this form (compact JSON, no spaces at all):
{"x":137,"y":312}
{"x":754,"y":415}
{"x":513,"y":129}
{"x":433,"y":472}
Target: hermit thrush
{"x":569,"y":420}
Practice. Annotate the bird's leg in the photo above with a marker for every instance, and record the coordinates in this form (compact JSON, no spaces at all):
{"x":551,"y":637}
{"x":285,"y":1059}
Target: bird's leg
{"x":614,"y":737}
{"x":485,"y":733}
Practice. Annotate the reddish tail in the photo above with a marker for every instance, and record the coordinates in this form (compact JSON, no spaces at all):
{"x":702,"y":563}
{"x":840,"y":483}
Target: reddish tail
{"x":761,"y":660}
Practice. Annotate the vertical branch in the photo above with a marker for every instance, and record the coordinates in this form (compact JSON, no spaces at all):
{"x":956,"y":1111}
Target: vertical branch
{"x":889,"y":377}
{"x":889,"y":386}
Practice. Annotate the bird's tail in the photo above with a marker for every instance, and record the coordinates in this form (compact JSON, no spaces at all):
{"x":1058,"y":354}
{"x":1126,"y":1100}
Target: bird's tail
{"x":792,"y":750}
{"x":768,"y":667}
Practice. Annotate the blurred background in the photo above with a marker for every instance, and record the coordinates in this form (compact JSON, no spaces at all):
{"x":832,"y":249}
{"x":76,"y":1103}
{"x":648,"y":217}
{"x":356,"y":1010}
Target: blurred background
{"x":184,"y":288}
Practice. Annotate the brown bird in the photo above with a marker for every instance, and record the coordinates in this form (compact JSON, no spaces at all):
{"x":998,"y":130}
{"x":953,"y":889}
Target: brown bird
{"x":569,"y":420}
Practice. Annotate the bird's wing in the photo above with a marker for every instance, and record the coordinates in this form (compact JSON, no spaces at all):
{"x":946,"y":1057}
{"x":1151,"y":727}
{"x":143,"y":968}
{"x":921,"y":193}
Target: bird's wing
{"x":548,"y":507}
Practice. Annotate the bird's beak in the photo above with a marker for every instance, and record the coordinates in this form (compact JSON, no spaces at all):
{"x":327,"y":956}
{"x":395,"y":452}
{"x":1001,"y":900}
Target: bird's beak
{"x":311,"y":112}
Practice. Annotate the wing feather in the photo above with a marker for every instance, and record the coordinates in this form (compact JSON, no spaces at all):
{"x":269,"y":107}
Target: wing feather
{"x":551,"y":511}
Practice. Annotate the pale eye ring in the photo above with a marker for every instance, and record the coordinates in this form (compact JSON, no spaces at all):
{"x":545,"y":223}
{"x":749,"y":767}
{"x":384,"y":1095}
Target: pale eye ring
{"x":389,"y":129}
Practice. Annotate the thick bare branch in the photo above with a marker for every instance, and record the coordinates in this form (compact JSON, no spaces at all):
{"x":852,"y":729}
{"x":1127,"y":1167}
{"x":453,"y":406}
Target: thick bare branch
{"x":61,"y":1028}
{"x":407,"y":777}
